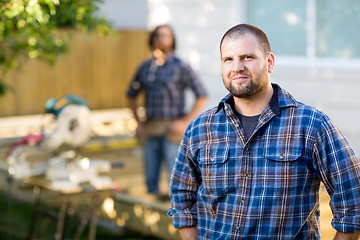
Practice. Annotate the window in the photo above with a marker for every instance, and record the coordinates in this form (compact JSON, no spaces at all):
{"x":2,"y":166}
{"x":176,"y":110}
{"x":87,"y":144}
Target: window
{"x":283,"y":21}
{"x":312,"y":28}
{"x":338,"y":28}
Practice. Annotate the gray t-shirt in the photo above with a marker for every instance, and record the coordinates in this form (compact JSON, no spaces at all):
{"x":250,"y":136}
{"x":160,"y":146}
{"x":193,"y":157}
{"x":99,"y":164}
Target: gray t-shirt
{"x":248,"y":122}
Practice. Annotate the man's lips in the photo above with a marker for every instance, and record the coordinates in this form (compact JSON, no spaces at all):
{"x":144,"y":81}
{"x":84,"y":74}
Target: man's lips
{"x":240,"y":78}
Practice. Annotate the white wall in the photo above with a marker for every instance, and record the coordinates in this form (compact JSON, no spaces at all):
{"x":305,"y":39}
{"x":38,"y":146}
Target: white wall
{"x":125,"y":14}
{"x":333,"y":91}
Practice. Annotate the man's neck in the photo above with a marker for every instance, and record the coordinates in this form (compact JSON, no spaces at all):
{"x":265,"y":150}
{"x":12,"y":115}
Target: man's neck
{"x":256,"y":104}
{"x":160,"y":56}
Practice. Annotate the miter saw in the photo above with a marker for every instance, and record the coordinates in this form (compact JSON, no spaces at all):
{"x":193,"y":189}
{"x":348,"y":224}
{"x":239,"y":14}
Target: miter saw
{"x":55,"y":153}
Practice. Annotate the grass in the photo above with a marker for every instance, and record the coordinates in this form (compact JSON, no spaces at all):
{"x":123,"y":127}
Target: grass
{"x":15,"y":217}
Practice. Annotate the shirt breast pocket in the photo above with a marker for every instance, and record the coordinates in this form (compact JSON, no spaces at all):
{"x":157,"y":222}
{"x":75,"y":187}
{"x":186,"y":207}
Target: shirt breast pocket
{"x":284,"y":169}
{"x":214,"y":168}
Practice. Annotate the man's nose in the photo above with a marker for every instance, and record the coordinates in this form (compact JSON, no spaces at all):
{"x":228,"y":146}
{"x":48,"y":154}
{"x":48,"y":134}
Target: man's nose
{"x":238,"y":66}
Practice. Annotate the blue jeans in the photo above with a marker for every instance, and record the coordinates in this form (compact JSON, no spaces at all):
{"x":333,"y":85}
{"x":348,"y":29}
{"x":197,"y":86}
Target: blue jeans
{"x":157,"y":150}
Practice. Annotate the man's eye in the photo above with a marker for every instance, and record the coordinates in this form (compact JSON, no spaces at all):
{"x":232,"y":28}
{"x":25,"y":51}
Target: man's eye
{"x":227,"y":60}
{"x":248,"y":57}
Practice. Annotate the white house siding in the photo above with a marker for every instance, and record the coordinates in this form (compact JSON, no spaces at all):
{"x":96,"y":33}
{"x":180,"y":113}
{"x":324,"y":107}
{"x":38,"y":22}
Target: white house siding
{"x":126,"y":14}
{"x":333,"y":91}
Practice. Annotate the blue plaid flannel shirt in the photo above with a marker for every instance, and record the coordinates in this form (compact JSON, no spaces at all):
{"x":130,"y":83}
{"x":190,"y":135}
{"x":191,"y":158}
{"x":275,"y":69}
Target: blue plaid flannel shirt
{"x":264,"y":187}
{"x":165,"y":86}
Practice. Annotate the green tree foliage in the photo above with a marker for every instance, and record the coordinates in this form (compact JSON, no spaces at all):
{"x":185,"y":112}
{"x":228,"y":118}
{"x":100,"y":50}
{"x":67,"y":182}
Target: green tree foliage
{"x":29,"y":29}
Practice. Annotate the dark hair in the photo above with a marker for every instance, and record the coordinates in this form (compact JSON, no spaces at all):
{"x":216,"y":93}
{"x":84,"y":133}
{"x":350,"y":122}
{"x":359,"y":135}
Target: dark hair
{"x":154,"y":34}
{"x":242,"y":29}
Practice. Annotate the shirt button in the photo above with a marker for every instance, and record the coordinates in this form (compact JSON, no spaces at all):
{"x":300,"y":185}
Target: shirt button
{"x":242,"y":200}
{"x":212,"y":159}
{"x":226,"y":107}
{"x":281,"y":156}
{"x":236,"y":125}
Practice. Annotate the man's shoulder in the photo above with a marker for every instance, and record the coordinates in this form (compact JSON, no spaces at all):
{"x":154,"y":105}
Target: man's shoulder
{"x":180,"y":62}
{"x":286,"y":100}
{"x":204,"y":117}
{"x":145,"y":62}
{"x":309,"y":110}
{"x":199,"y":125}
{"x":209,"y":112}
{"x":309,"y":116}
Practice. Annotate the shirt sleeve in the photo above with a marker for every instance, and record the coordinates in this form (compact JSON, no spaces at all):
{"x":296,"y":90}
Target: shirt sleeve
{"x":193,"y":82}
{"x":136,"y":84}
{"x":340,"y":172}
{"x":183,"y":187}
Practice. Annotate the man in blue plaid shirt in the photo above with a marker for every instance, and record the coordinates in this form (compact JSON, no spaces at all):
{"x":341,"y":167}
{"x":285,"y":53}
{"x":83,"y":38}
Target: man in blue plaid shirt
{"x":251,"y":167}
{"x":163,"y":78}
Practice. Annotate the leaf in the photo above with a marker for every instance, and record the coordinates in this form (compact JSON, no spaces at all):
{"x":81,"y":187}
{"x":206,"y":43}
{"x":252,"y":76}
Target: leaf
{"x":28,"y":29}
{"x":4,"y":88}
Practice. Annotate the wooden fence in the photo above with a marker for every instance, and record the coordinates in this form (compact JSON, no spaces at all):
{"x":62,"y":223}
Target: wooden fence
{"x":97,"y":69}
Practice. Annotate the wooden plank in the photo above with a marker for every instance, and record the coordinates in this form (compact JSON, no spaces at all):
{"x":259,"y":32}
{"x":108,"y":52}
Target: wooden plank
{"x":98,"y":69}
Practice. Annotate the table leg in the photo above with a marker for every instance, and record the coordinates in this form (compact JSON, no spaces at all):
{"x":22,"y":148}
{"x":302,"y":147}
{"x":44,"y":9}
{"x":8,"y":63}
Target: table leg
{"x":60,"y":229}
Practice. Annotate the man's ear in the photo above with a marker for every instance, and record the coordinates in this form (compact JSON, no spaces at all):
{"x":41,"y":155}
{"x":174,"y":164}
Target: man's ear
{"x":271,"y":62}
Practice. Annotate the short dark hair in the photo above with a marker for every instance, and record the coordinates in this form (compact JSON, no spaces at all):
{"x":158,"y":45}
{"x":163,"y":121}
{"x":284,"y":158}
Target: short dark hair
{"x":154,"y":34}
{"x":242,"y":29}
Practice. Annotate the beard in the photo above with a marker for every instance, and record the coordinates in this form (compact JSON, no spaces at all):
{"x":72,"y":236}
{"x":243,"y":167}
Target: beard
{"x":250,"y":88}
{"x":244,"y":92}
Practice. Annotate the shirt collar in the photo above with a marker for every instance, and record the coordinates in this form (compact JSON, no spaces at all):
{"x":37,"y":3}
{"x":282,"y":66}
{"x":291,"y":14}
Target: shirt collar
{"x":280,"y":99}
